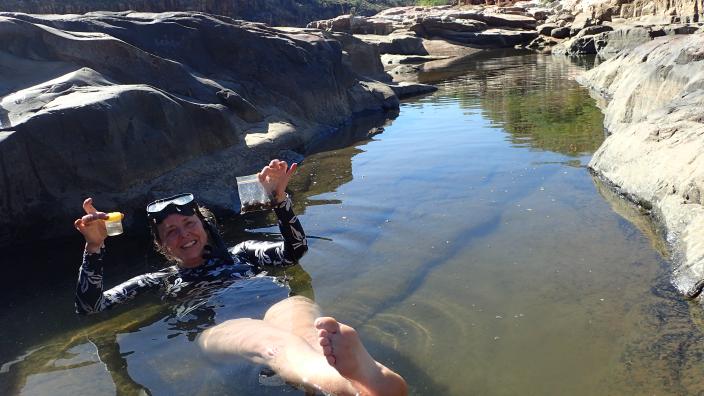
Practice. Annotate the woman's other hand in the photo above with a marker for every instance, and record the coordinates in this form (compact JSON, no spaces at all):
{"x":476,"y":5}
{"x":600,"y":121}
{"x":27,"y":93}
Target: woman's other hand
{"x":275,"y":176}
{"x":92,"y":226}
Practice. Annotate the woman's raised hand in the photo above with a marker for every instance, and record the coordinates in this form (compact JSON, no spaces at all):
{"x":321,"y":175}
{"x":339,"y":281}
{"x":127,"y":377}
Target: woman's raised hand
{"x":275,"y":176}
{"x":92,"y":226}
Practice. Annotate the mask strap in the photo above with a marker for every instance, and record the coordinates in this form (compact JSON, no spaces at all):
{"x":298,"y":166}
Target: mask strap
{"x":219,"y":250}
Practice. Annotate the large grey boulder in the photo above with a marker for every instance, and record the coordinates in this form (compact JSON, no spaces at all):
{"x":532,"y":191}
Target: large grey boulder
{"x":354,"y":25}
{"x":543,"y":44}
{"x":126,"y":107}
{"x":627,"y":37}
{"x":583,"y":45}
{"x":490,"y":38}
{"x":363,"y":58}
{"x":525,"y":22}
{"x":560,"y":32}
{"x":624,"y":38}
{"x":398,"y":43}
{"x":438,"y":26}
{"x":545,"y":28}
{"x":581,"y":21}
{"x":654,"y":97}
{"x":592,"y":30}
{"x":647,"y":11}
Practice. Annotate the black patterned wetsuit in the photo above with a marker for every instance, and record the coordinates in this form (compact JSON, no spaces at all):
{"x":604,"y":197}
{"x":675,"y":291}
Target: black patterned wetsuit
{"x":193,"y":283}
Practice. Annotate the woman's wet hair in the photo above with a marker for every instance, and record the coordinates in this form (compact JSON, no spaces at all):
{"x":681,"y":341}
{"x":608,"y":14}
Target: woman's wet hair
{"x":205,"y":216}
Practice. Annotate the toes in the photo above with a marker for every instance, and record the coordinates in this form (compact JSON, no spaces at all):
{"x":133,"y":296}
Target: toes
{"x":328,"y":324}
{"x":324,"y":341}
{"x":330,"y":359}
{"x":327,"y":350}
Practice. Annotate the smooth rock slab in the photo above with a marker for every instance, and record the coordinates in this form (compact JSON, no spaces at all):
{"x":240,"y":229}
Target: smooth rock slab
{"x":655,"y":153}
{"x":128,"y":107}
{"x":397,"y":44}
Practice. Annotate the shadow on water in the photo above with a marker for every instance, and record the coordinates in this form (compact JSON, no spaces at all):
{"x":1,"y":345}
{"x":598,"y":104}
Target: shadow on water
{"x":360,"y":128}
{"x":635,"y":215}
{"x":419,"y":381}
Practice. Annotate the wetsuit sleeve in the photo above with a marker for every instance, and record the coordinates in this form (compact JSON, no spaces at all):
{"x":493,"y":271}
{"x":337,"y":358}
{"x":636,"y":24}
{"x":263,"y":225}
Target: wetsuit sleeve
{"x":287,"y":252}
{"x":90,"y":296}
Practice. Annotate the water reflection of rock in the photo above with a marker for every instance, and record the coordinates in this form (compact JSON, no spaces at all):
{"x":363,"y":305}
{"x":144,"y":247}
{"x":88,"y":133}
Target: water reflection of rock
{"x":636,"y":215}
{"x":331,"y":167}
{"x":533,"y":98}
{"x":445,"y":69}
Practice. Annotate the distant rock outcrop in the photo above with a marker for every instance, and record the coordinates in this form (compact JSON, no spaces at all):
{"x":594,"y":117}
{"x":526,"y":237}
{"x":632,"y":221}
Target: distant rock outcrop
{"x":126,"y":107}
{"x":646,"y":11}
{"x":605,"y":27}
{"x":490,"y":27}
{"x":273,"y":12}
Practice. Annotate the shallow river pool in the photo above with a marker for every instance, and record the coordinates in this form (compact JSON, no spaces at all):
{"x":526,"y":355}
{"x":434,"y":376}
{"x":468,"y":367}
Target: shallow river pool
{"x":468,"y":243}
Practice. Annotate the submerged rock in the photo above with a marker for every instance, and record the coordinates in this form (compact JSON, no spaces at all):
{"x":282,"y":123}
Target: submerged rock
{"x":126,"y":107}
{"x":655,"y":152}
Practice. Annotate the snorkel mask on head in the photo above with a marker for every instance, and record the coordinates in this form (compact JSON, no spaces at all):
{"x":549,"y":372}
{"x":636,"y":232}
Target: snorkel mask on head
{"x":182,"y":204}
{"x":185,"y":205}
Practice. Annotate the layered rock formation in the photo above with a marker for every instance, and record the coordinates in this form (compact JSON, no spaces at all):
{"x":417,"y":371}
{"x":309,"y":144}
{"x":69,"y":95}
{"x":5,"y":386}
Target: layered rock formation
{"x":607,"y":27}
{"x":487,"y":27}
{"x":653,"y":100}
{"x":652,"y":11}
{"x":126,"y":107}
{"x":431,"y":43}
{"x":272,"y":12}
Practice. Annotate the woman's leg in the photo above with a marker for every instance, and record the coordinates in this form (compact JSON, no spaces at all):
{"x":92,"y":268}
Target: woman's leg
{"x":343,"y":367}
{"x":289,"y":355}
{"x":296,"y":315}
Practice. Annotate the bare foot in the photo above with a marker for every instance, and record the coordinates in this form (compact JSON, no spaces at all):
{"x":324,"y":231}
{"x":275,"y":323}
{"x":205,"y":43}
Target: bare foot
{"x":344,"y":351}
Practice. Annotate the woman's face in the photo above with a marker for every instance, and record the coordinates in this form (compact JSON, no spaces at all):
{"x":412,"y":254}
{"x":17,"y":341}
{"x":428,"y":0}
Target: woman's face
{"x":184,"y":238}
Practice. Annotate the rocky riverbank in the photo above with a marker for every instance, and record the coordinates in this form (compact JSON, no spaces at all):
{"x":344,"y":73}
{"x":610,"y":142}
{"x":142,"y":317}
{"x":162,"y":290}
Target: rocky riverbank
{"x":651,"y":89}
{"x":653,"y":96}
{"x":272,"y":12}
{"x":417,"y":41}
{"x":607,"y":27}
{"x":126,"y":107}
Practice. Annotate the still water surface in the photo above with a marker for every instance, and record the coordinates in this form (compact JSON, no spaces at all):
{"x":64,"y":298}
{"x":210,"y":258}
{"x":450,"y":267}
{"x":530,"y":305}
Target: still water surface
{"x":467,"y":243}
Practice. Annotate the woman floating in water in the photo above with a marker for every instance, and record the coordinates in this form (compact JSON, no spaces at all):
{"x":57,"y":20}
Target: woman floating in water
{"x":293,"y":339}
